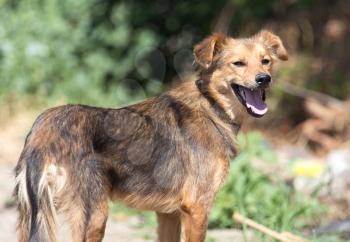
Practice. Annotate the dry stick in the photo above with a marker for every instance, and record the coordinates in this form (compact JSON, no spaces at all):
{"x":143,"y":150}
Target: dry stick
{"x":284,"y":237}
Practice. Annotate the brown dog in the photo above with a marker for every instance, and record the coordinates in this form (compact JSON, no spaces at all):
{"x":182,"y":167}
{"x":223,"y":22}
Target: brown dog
{"x":169,"y":154}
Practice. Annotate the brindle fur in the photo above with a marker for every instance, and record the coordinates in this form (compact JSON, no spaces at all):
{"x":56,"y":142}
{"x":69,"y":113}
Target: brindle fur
{"x":169,"y":154}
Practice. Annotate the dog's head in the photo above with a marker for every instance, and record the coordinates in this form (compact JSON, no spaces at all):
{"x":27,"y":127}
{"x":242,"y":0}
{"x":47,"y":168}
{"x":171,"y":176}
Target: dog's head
{"x":239,"y":70}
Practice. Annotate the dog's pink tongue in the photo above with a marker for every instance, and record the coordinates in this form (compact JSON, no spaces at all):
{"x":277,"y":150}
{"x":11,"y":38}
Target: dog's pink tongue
{"x":254,"y":101}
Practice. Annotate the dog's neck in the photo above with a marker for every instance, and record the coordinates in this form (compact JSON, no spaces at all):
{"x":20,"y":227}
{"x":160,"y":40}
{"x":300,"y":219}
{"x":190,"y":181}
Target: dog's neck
{"x":217,"y":108}
{"x":193,"y":95}
{"x":197,"y":95}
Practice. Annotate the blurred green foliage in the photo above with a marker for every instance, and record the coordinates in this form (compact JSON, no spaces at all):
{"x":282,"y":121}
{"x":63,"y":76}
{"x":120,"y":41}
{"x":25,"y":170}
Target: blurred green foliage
{"x":253,"y":193}
{"x":58,"y":48}
{"x":109,"y":52}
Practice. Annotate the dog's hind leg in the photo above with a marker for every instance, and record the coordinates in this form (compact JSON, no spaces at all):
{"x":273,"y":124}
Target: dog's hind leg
{"x":87,"y":207}
{"x":169,"y":227}
{"x":88,"y":224}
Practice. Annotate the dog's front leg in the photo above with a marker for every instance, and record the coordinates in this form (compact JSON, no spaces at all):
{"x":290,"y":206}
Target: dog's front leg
{"x":194,"y":218}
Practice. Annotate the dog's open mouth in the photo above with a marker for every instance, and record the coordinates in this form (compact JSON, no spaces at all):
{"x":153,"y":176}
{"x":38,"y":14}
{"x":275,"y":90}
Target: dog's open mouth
{"x":252,"y":99}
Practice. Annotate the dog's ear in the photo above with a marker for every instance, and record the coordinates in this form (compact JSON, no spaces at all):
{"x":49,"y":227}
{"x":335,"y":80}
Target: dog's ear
{"x":205,"y":52}
{"x":273,"y":43}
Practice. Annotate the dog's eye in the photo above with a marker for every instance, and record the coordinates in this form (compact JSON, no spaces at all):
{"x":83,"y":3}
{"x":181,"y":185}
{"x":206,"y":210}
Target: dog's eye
{"x":265,"y":61}
{"x":239,"y":63}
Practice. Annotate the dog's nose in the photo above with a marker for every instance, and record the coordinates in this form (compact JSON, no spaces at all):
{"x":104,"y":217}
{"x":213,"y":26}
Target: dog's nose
{"x":263,"y":79}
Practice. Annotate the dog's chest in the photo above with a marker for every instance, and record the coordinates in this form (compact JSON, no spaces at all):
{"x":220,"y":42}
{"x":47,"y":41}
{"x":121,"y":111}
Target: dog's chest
{"x":219,"y":173}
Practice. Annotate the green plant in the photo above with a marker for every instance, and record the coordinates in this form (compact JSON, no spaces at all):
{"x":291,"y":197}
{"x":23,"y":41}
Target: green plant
{"x":61,"y":50}
{"x":252,"y":193}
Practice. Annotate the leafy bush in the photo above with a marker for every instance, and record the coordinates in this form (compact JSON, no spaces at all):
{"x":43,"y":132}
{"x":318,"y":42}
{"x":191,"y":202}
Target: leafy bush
{"x":56,"y":49}
{"x":251,"y":192}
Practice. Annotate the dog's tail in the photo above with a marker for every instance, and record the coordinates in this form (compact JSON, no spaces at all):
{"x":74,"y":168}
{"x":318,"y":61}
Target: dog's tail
{"x":37,"y":213}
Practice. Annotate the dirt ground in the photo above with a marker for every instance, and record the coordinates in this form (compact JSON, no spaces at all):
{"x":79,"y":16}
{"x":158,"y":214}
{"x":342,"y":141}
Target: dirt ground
{"x":12,"y":134}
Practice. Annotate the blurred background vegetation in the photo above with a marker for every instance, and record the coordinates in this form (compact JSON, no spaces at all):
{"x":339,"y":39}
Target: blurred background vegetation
{"x":81,"y":50}
{"x":109,"y":52}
